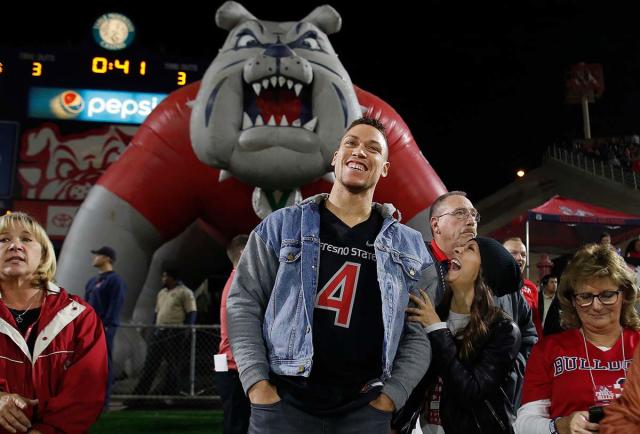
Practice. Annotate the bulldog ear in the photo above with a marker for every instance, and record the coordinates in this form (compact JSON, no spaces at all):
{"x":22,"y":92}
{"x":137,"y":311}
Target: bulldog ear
{"x":325,"y":18}
{"x":230,"y":14}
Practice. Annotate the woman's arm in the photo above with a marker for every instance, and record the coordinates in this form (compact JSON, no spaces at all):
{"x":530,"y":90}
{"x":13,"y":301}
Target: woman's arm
{"x":534,"y":414}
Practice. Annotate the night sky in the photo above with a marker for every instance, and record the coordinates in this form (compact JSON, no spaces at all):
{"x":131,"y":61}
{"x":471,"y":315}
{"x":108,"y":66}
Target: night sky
{"x":481,"y":85}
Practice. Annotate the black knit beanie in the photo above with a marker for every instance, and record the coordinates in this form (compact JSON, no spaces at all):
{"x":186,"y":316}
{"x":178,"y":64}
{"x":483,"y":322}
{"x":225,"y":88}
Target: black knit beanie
{"x":500,"y":271}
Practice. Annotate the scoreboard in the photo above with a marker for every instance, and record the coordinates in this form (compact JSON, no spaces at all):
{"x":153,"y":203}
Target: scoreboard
{"x":23,"y":69}
{"x":67,"y":113}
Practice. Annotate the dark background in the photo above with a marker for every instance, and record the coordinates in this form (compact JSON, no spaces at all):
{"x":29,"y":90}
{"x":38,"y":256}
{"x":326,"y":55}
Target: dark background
{"x":481,"y":85}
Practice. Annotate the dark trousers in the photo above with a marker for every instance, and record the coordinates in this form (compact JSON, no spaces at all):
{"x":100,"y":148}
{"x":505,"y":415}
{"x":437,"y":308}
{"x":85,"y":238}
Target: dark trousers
{"x":109,"y":334}
{"x":281,"y":418}
{"x":235,"y":403}
{"x":164,"y":344}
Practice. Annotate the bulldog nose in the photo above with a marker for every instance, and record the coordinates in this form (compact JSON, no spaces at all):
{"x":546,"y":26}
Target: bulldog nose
{"x":278,"y":50}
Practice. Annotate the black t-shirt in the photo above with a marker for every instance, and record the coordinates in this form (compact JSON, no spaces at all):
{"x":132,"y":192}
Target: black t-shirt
{"x":27,"y":318}
{"x":347,"y":322}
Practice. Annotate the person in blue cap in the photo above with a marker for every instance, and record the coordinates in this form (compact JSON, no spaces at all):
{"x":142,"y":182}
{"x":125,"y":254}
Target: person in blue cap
{"x":105,"y":293}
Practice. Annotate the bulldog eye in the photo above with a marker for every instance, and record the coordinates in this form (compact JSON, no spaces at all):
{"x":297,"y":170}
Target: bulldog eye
{"x":246,"y":41}
{"x":310,"y":43}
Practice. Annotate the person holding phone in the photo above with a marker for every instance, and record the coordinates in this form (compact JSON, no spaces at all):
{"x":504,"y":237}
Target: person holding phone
{"x":586,"y":365}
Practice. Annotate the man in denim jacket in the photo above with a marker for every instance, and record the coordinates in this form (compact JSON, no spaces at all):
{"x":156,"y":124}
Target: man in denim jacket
{"x":316,"y":312}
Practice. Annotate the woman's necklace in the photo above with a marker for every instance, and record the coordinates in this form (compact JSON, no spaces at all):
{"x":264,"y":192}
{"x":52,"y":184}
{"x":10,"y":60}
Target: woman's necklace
{"x":586,"y":350}
{"x":18,"y":317}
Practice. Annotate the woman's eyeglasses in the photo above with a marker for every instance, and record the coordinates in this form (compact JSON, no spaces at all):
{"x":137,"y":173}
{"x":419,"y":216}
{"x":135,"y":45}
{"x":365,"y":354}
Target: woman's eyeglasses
{"x":607,"y":298}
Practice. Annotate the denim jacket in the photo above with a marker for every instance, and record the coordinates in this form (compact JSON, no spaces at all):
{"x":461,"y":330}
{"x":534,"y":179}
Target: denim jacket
{"x":271,"y":301}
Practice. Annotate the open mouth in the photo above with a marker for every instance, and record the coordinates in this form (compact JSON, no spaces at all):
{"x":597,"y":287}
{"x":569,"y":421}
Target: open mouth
{"x":357,"y":166}
{"x":278,"y":101}
{"x":455,"y":265}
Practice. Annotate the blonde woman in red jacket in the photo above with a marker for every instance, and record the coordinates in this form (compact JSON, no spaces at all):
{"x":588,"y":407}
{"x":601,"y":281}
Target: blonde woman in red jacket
{"x":53,"y":357}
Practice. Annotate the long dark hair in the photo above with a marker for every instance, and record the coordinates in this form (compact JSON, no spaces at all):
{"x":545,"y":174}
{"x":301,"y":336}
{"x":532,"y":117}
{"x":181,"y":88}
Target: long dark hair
{"x":483,"y":313}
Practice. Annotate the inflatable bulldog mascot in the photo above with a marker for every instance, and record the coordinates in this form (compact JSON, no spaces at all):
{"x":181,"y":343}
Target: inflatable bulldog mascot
{"x":256,"y":134}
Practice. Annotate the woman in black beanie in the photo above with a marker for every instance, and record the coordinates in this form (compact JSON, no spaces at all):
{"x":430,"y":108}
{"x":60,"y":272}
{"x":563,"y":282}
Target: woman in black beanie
{"x":474,"y":345}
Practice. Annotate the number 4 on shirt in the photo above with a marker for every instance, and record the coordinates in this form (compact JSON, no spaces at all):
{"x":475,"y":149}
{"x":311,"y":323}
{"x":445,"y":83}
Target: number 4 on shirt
{"x":340,"y":292}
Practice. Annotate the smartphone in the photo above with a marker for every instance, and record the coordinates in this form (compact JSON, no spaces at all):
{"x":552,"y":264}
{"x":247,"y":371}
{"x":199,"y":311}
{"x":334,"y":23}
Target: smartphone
{"x":596,"y":413}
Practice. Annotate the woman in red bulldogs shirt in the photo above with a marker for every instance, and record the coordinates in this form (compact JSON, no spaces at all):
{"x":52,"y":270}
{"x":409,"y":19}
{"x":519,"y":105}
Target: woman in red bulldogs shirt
{"x":586,"y":364}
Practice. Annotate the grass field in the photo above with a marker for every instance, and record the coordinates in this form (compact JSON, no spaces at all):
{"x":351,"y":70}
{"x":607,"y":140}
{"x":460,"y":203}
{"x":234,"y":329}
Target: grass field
{"x":159,"y":422}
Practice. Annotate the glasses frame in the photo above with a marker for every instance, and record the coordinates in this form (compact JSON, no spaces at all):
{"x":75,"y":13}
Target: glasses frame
{"x":594,"y":296}
{"x":467,"y":213}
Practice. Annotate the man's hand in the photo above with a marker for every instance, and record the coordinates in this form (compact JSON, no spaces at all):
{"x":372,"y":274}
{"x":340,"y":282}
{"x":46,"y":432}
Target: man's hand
{"x":263,"y":392}
{"x":12,"y":418}
{"x":383,"y":403}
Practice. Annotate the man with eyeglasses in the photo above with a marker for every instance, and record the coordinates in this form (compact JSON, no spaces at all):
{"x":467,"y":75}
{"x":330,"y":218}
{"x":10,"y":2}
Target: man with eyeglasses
{"x":454,"y":221}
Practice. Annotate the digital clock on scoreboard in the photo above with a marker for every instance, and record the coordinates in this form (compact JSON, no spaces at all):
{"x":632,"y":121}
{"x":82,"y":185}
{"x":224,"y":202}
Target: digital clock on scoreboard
{"x":101,"y":70}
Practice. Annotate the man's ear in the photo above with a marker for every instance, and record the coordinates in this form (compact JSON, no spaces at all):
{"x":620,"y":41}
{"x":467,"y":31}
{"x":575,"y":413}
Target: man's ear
{"x":385,"y":169}
{"x":434,"y":225}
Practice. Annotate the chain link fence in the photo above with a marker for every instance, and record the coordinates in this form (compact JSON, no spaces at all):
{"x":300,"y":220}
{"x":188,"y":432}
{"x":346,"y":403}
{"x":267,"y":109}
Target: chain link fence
{"x":171,"y":362}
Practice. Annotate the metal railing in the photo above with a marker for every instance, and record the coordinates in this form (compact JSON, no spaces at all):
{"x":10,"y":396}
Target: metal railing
{"x":165,"y":362}
{"x":595,"y":167}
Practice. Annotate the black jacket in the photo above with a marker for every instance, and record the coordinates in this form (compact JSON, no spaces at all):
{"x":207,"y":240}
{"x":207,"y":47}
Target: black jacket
{"x":476,"y":397}
{"x":514,"y":305}
{"x":552,"y":323}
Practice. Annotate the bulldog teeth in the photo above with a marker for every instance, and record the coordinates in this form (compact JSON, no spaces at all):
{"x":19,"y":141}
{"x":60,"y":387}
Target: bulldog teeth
{"x":246,"y":121}
{"x":274,"y":81}
{"x":296,"y":123}
{"x":311,"y":125}
{"x":259,"y":121}
{"x":265,"y":83}
{"x":283,"y":121}
{"x":257,"y":88}
{"x":289,"y":84}
{"x":297,"y":88}
{"x":272,"y":121}
{"x":281,"y":81}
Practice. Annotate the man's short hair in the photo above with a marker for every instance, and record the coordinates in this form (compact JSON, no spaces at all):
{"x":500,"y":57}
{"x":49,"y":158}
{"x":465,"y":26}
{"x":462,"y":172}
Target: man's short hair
{"x":372,"y":122}
{"x":516,"y":239}
{"x":437,"y":204}
{"x":235,"y":247}
{"x":172,"y":272}
{"x":546,"y":278}
{"x":604,"y":234}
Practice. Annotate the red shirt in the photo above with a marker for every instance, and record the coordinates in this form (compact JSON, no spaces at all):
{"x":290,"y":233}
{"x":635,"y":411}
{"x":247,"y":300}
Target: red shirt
{"x":530,"y":293}
{"x":438,"y":253}
{"x":558,"y":370}
{"x":225,"y":346}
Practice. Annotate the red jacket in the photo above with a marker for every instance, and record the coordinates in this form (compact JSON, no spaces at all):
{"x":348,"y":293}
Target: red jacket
{"x":225,"y":346}
{"x":68,"y":374}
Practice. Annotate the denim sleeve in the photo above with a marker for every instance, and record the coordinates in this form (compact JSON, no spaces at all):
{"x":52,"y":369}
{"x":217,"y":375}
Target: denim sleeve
{"x":246,"y":304}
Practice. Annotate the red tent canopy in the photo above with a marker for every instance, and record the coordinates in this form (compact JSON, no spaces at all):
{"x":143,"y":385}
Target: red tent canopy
{"x":562,"y":225}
